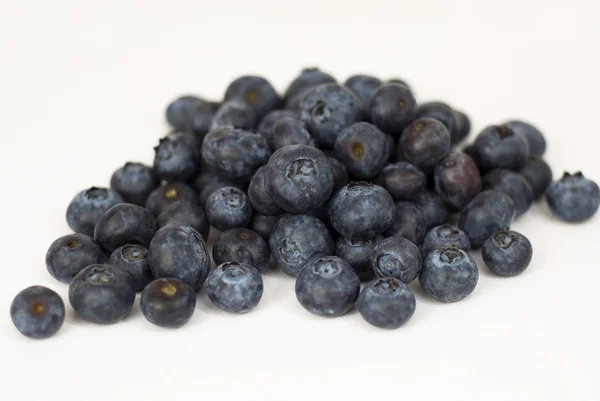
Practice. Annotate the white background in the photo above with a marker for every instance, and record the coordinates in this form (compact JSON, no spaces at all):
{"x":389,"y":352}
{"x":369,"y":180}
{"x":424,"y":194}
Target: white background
{"x":83,"y":88}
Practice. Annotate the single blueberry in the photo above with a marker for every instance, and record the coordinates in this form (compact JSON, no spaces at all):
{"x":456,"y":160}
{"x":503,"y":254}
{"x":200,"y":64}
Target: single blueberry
{"x":535,"y":139}
{"x":133,"y":259}
{"x":363,"y":149}
{"x":538,"y":175}
{"x":214,"y":183}
{"x":88,"y":206}
{"x":168,"y":302}
{"x":396,"y":257}
{"x":513,"y":184}
{"x":425,"y":142}
{"x":254,"y":91}
{"x":500,"y":147}
{"x":235,"y":287}
{"x":234,"y":114}
{"x":363,"y":87}
{"x":386,"y":303}
{"x":37,"y":312}
{"x":434,"y":208}
{"x":457,"y":179}
{"x":70,"y":254}
{"x":445,"y":236}
{"x":308,"y":78}
{"x":174,"y":159}
{"x":263,"y":224}
{"x":191,"y":114}
{"x":340,"y":174}
{"x":228,"y":208}
{"x":125,"y":224}
{"x":185,"y":213}
{"x":392,"y":108}
{"x":243,"y":246}
{"x":265,"y":127}
{"x":134,"y":182}
{"x":408,"y":223}
{"x":463,"y":127}
{"x":167,"y":194}
{"x":573,"y":198}
{"x":441,"y":112}
{"x":404,"y":181}
{"x":507,"y":253}
{"x":357,"y":252}
{"x":258,"y":196}
{"x":289,"y":131}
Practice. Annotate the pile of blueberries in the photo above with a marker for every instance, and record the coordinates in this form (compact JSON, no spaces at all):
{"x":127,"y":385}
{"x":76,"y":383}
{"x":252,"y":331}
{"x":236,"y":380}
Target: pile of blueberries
{"x":337,"y":184}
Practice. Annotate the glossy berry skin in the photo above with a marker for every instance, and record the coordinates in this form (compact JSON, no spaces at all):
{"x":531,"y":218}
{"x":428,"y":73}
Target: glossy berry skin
{"x":258,"y":196}
{"x":408,"y":223}
{"x":573,"y":198}
{"x":457,"y":179}
{"x":37,"y":312}
{"x":234,"y":114}
{"x":327,"y":109}
{"x":396,"y":257}
{"x":327,"y":286}
{"x":445,"y":236}
{"x":296,"y":238}
{"x":165,"y":195}
{"x":434,"y":208}
{"x":404,"y":181}
{"x":133,"y":259}
{"x":392,"y":108}
{"x":363,"y":87}
{"x":228,"y":208}
{"x":174,"y":159}
{"x":308,"y":78}
{"x":487,"y":213}
{"x":185,"y":213}
{"x":290,"y":131}
{"x":386,"y":303}
{"x":235,"y":153}
{"x":513,"y":184}
{"x":88,"y":206}
{"x":263,"y":225}
{"x":134,"y":182}
{"x":340,"y":174}
{"x":357,"y":252}
{"x":299,"y":178}
{"x":507,"y":253}
{"x":361,"y":210}
{"x":69,"y":254}
{"x":538,"y":175}
{"x":214,"y":183}
{"x":125,"y":224}
{"x":363,"y":149}
{"x":168,"y":302}
{"x":235,"y":287}
{"x":534,"y":137}
{"x":256,"y":92}
{"x":500,"y":147}
{"x":102,"y":294}
{"x":265,"y":127}
{"x":425,"y":142}
{"x":441,"y":112}
{"x":191,"y":114}
{"x":463,"y":127}
{"x":179,"y":252}
{"x":243,"y":246}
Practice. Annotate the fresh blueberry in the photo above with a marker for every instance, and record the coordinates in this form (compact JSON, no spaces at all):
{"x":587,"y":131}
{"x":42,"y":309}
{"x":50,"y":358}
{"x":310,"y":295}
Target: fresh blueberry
{"x":340,"y":174}
{"x":507,"y":253}
{"x":242,"y":246}
{"x":488,"y":212}
{"x":445,"y":236}
{"x":88,"y":206}
{"x":134,"y":182}
{"x":425,"y":142}
{"x":357,"y":252}
{"x":259,"y":198}
{"x":327,"y":286}
{"x":234,"y":114}
{"x":402,"y":180}
{"x":228,"y":208}
{"x":457,"y":179}
{"x":125,"y":224}
{"x":396,"y":257}
{"x":168,"y":302}
{"x":449,"y":274}
{"x":191,"y":114}
{"x":179,"y":252}
{"x":69,"y":254}
{"x":399,"y":81}
{"x":254,"y":91}
{"x":408,"y":223}
{"x":174,"y":159}
{"x":363,"y":87}
{"x":166,"y":195}
{"x":573,"y":198}
{"x":102,"y":294}
{"x":37,"y":312}
{"x":265,"y":127}
{"x":235,"y":287}
{"x":296,"y":238}
{"x":500,"y":147}
{"x":133,"y":259}
{"x":363,"y":149}
{"x":289,"y":131}
{"x":299,"y":178}
{"x":538,"y":175}
{"x":361,"y":210}
{"x":263,"y":224}
{"x":215,"y":183}
{"x":308,"y":78}
{"x":434,"y":208}
{"x":513,"y":184}
{"x":386,"y":303}
{"x":463,"y":127}
{"x":185,"y":213}
{"x":392,"y":108}
{"x":535,"y":139}
{"x":441,"y":112}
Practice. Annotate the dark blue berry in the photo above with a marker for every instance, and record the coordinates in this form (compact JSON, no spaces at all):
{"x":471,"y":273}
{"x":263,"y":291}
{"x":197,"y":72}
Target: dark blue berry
{"x":235,"y":287}
{"x":191,"y":114}
{"x":242,"y":246}
{"x":357,"y":252}
{"x":175,"y":159}
{"x":363,"y":87}
{"x":70,"y":254}
{"x":165,"y":195}
{"x":265,"y":127}
{"x":399,"y":81}
{"x":125,"y":224}
{"x":463,"y":127}
{"x":507,"y":253}
{"x":513,"y":184}
{"x":535,"y":139}
{"x":289,"y":131}
{"x":37,"y":312}
{"x":363,"y":149}
{"x":538,"y":175}
{"x":457,"y":179}
{"x":308,"y":78}
{"x":396,"y":257}
{"x":234,"y":114}
{"x":133,"y":259}
{"x":168,"y":302}
{"x":392,"y":108}
{"x":487,"y":213}
{"x":215,"y":183}
{"x":386,"y":303}
{"x":402,"y":180}
{"x":134,"y":182}
{"x":185,"y":213}
{"x":434,"y":208}
{"x":408,"y":223}
{"x":228,"y":208}
{"x":259,"y":198}
{"x":441,"y":112}
{"x":573,"y":198}
{"x":425,"y":142}
{"x":500,"y":147}
{"x":254,"y":91}
{"x":88,"y":206}
{"x":340,"y":174}
{"x":263,"y":224}
{"x":445,"y":236}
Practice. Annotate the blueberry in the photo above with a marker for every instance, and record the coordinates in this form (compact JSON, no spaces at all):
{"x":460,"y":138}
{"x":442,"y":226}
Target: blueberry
{"x":265,"y":127}
{"x":500,"y":147}
{"x":166,"y":195}
{"x":228,"y":208}
{"x":174,"y":159}
{"x":254,"y":91}
{"x":102,"y":294}
{"x":289,"y":131}
{"x":425,"y":142}
{"x":363,"y":149}
{"x":399,"y":81}
{"x":37,"y":312}
{"x":185,"y":213}
{"x":507,"y":253}
{"x":296,"y":238}
{"x":396,"y":257}
{"x":513,"y":184}
{"x":441,"y":112}
{"x":402,"y":180}
{"x":408,"y":223}
{"x":449,"y":274}
{"x":445,"y":236}
{"x":535,"y":139}
{"x":258,"y":196}
{"x":242,"y":246}
{"x":125,"y":224}
{"x":538,"y":175}
{"x":263,"y":225}
{"x":69,"y":254}
{"x":463,"y":127}
{"x":386,"y":303}
{"x":434,"y":208}
{"x":179,"y":252}
{"x":363,"y":87}
{"x":235,"y":287}
{"x":234,"y":114}
{"x":168,"y":302}
{"x":361,"y":210}
{"x":133,"y":259}
{"x":134,"y":182}
{"x":191,"y":114}
{"x":88,"y":206}
{"x":299,"y":178}
{"x":215,"y":183}
{"x":357,"y":252}
{"x":457,"y":179}
{"x":234,"y":153}
{"x":573,"y":198}
{"x":327,"y":286}
{"x":392,"y":108}
{"x":488,"y":212}
{"x":308,"y":78}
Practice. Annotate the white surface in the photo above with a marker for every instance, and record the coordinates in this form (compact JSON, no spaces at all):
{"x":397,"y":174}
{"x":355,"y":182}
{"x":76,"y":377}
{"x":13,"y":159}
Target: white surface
{"x":83,"y":89}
